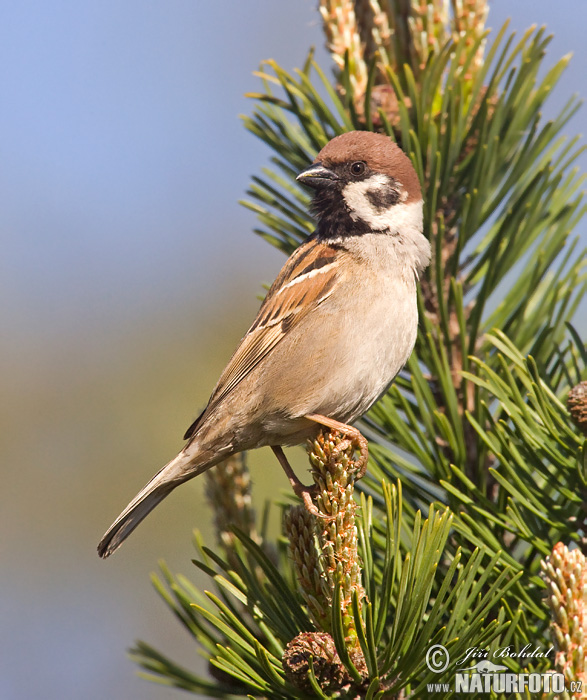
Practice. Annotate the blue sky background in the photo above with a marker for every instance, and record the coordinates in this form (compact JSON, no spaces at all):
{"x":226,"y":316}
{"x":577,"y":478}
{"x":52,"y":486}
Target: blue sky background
{"x":127,"y":273}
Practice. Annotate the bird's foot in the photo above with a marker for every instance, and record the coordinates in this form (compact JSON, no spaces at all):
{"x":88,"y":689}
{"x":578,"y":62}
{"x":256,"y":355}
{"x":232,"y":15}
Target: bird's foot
{"x":301,"y":490}
{"x":354,"y":438}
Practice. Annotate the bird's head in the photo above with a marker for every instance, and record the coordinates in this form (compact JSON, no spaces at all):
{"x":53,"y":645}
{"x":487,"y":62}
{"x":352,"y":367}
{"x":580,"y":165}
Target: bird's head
{"x":363,"y":182}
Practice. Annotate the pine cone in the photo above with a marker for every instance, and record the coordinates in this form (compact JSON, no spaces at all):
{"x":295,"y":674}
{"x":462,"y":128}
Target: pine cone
{"x":328,"y":669}
{"x":577,"y":406}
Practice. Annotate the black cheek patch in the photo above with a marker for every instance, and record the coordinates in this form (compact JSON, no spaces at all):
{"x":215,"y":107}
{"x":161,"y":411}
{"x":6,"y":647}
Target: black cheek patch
{"x":383,"y":199}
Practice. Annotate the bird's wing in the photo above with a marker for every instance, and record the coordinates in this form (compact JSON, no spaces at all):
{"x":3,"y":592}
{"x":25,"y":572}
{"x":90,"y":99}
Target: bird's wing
{"x":305,"y":281}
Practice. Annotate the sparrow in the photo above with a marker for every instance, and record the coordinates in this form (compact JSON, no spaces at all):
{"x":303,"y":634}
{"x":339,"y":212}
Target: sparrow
{"x":337,"y":325}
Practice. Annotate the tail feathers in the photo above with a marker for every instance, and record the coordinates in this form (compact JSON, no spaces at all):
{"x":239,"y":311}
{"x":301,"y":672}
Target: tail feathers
{"x":131,"y":516}
{"x":161,"y":485}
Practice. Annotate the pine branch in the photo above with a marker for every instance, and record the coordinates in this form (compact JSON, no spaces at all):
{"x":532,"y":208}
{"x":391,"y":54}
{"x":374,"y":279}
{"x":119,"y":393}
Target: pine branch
{"x":475,"y":432}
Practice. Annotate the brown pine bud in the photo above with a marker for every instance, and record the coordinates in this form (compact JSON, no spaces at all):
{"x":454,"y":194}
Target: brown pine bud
{"x":577,"y":406}
{"x":318,"y":649}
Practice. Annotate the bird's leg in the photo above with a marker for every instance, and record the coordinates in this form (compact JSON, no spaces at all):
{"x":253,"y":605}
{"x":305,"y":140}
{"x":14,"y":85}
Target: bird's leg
{"x":354,"y":437}
{"x":301,"y":490}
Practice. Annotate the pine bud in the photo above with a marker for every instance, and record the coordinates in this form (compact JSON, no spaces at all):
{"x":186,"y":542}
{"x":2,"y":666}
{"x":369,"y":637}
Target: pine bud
{"x":334,"y":475}
{"x":228,"y":489}
{"x":577,"y":406}
{"x":317,"y":649}
{"x":299,"y":528}
{"x":565,"y":573}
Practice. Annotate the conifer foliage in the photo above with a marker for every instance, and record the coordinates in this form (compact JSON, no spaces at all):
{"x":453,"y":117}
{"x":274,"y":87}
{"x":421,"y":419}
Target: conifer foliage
{"x":470,"y":526}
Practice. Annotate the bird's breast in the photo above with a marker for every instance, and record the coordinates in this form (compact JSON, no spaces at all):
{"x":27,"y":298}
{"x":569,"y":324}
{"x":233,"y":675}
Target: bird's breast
{"x":344,"y":354}
{"x":380,"y":328}
{"x":342,"y":360}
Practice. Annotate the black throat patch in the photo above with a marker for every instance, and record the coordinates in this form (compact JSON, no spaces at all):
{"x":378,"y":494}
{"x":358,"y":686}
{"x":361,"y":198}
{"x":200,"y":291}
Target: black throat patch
{"x":333,"y":215}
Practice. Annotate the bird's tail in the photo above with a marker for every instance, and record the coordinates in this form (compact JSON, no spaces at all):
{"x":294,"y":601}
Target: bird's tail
{"x":180,"y":469}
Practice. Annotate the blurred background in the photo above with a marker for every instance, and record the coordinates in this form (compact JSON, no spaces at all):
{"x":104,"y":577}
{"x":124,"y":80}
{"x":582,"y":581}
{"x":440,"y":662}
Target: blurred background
{"x":128,"y":272}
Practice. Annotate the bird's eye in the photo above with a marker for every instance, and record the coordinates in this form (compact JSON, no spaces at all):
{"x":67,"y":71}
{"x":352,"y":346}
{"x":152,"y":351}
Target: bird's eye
{"x":358,"y":168}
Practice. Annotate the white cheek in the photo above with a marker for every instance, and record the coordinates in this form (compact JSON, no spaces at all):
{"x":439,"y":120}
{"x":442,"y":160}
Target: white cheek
{"x":403,"y":217}
{"x":355,"y":196}
{"x":398,"y":217}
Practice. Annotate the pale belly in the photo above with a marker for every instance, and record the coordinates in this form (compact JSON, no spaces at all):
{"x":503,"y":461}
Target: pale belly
{"x":342,"y":378}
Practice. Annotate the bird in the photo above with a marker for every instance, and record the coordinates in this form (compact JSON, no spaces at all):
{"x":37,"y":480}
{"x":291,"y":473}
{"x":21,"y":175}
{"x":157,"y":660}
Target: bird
{"x":337,"y":325}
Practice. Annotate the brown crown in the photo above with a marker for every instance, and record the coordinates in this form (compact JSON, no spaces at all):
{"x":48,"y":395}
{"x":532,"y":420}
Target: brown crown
{"x":380,"y":153}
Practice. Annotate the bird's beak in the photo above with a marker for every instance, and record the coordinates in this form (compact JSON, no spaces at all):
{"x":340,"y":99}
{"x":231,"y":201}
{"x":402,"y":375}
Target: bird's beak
{"x":316,"y":176}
